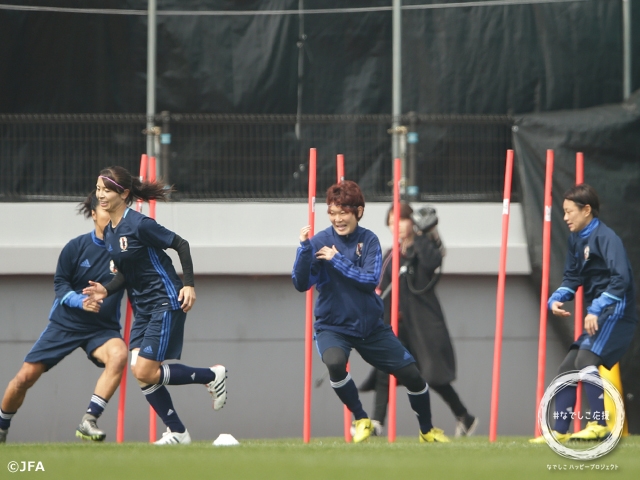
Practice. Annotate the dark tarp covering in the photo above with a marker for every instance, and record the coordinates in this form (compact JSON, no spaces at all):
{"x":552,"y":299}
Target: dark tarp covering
{"x":609,"y":137}
{"x":471,"y":60}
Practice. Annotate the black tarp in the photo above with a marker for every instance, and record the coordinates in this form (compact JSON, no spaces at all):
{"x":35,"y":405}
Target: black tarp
{"x":471,"y":60}
{"x":609,"y":137}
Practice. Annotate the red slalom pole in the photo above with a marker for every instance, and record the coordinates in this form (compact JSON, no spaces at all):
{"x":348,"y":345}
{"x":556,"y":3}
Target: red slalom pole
{"x":123,"y":381}
{"x":340,"y":167}
{"x":308,"y":330}
{"x":502,"y":276}
{"x":153,"y":417}
{"x":395,"y":289}
{"x":152,"y":178}
{"x":143,"y":176}
{"x":579,"y":299}
{"x":544,"y":291}
{"x":127,"y":333}
{"x":346,"y":411}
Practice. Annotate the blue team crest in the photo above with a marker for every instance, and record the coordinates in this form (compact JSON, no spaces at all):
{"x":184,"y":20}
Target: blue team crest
{"x":124,"y":244}
{"x":112,"y":267}
{"x":359,"y":249}
{"x":586,"y":253}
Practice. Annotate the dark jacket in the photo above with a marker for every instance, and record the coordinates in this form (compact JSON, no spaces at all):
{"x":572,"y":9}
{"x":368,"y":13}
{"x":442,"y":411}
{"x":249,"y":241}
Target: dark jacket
{"x":422,"y":328}
{"x":347,"y":302}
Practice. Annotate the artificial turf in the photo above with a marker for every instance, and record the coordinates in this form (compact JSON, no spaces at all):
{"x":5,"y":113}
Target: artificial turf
{"x":322,"y":458}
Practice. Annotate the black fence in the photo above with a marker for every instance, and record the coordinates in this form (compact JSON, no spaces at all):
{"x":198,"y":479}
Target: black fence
{"x":254,"y":157}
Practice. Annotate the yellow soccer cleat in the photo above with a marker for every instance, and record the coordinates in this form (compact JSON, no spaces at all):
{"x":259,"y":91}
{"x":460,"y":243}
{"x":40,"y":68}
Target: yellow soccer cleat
{"x":561,"y":437}
{"x":592,"y":432}
{"x":434,"y":435}
{"x":364,"y":428}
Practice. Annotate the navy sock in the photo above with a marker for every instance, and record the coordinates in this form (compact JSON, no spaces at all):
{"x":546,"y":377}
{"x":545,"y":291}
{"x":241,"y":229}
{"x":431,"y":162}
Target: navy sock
{"x":5,"y":419}
{"x":421,"y":405}
{"x":348,"y":392}
{"x":178,"y":374}
{"x":595,"y":395}
{"x":159,"y":398}
{"x":96,"y":405}
{"x":565,"y":403}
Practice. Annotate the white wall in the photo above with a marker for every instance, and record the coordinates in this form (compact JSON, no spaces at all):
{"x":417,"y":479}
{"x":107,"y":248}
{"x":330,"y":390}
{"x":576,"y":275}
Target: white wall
{"x":257,"y":238}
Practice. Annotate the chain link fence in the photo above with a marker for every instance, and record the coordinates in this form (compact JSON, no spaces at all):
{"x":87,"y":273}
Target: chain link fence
{"x":254,"y":157}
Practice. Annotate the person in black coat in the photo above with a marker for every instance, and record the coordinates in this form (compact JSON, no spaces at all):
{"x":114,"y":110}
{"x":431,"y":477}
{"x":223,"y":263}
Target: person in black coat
{"x":422,"y":328}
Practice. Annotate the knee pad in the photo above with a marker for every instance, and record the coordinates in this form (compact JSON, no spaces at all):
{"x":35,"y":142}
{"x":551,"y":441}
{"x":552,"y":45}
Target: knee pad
{"x":410,"y":377}
{"x":336,"y":361}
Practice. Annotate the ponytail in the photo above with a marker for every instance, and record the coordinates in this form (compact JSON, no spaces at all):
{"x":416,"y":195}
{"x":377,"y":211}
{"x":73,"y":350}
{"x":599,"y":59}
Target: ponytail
{"x":119,"y":179}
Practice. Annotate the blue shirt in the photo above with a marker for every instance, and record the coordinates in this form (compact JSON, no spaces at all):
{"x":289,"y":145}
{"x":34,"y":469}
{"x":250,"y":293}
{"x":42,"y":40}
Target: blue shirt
{"x":137,"y":247}
{"x":347,"y":301}
{"x":82,"y":259}
{"x":597,"y":260}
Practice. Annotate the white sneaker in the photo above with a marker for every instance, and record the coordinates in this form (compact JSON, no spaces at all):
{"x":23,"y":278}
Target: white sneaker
{"x":218,"y":387}
{"x":173,"y":438}
{"x":466,"y":426}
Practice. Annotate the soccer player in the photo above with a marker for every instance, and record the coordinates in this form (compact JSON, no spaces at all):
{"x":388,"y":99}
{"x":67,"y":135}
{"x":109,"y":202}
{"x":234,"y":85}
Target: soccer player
{"x":344,"y":262}
{"x":76,"y":321}
{"x":161,"y":300}
{"x":597,"y":261}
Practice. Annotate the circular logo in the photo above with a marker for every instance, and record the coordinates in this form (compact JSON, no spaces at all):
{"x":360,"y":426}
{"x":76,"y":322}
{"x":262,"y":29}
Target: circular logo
{"x":603,"y":447}
{"x":13,"y":467}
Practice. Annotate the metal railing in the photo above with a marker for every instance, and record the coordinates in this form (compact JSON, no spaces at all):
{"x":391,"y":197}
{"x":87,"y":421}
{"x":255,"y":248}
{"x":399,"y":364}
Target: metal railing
{"x":253,"y":157}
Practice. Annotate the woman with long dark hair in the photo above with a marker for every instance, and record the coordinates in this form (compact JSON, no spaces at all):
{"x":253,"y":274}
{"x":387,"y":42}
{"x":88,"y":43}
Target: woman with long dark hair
{"x":160,"y":299}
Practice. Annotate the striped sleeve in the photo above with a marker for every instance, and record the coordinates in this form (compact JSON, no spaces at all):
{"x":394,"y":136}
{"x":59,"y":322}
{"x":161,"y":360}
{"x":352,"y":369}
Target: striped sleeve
{"x":364,"y":278}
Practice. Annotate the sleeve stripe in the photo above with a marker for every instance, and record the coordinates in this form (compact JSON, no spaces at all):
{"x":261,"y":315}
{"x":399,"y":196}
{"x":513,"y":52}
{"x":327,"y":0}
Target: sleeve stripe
{"x":567,"y":289}
{"x":364,"y":277}
{"x":612,"y":297}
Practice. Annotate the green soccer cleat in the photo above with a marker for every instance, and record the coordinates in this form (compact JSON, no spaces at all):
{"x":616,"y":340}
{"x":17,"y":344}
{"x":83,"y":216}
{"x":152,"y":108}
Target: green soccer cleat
{"x":435,"y":435}
{"x":592,"y":432}
{"x":561,"y":437}
{"x":88,"y":430}
{"x":3,"y":435}
{"x":364,"y":429}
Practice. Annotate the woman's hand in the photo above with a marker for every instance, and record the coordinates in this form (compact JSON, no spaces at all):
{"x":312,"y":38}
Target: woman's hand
{"x":304,"y":233}
{"x":95,"y":291}
{"x":557,"y":311}
{"x":89,"y":305}
{"x":326,"y":253}
{"x":188,"y":297}
{"x":591,"y":324}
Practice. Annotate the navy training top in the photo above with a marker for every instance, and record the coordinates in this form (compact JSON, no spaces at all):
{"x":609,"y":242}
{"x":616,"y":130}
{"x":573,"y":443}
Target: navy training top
{"x":82,"y":259}
{"x":347,"y":301}
{"x":597,"y":260}
{"x":137,"y":247}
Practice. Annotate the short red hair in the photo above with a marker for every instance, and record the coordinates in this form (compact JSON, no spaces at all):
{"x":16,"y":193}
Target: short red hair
{"x":347,"y":195}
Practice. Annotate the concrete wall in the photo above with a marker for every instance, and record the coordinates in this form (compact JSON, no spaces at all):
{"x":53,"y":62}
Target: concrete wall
{"x":253,"y":322}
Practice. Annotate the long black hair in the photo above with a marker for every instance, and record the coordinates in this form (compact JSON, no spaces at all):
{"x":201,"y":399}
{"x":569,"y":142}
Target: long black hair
{"x":119,"y":179}
{"x":88,"y":205}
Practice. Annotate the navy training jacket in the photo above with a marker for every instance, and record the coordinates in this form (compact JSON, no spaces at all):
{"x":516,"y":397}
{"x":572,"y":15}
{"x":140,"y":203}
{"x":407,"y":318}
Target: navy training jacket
{"x":347,"y":302}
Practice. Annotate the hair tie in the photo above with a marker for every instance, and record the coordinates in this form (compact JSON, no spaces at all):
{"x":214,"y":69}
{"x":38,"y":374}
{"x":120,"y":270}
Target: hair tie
{"x":112,"y":181}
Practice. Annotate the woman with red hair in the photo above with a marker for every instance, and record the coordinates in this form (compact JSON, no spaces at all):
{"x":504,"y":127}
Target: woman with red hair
{"x":344,"y":262}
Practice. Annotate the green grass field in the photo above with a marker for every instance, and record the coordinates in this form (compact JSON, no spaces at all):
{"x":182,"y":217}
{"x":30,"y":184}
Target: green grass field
{"x":323,"y":458}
